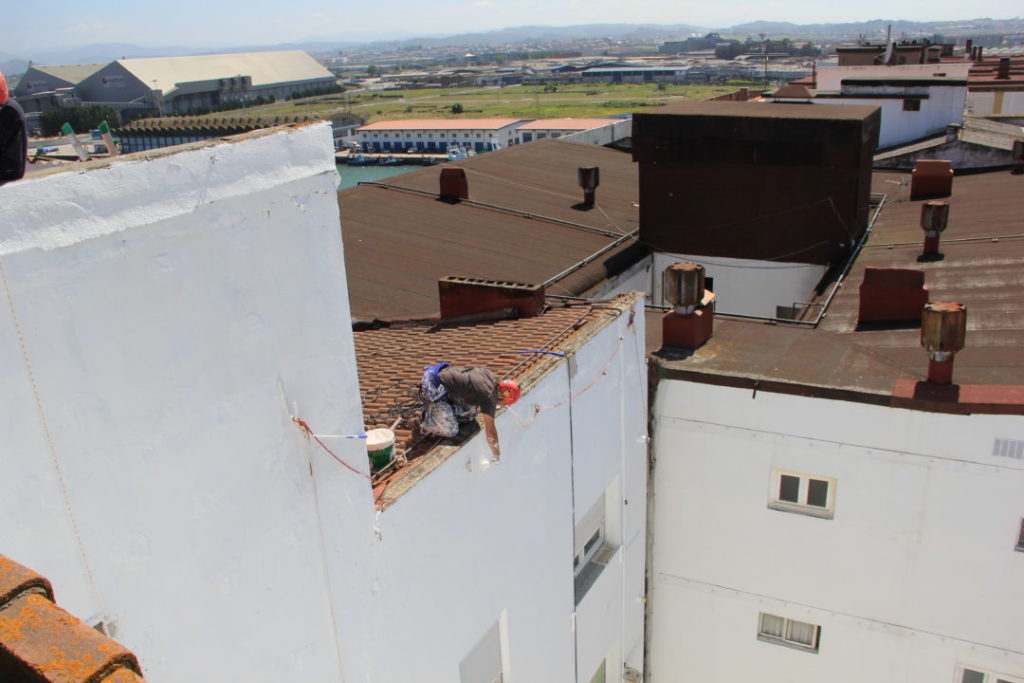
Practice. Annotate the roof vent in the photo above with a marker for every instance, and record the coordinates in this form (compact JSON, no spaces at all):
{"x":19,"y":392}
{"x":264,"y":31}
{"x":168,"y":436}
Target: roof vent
{"x":943,"y":333}
{"x":931,"y":178}
{"x":590,"y":178}
{"x":689,"y":324}
{"x":934,"y":216}
{"x":454,"y":185}
{"x":466,"y":296}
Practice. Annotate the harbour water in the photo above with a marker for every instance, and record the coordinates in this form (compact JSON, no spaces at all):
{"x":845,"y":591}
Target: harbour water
{"x":353,"y":175}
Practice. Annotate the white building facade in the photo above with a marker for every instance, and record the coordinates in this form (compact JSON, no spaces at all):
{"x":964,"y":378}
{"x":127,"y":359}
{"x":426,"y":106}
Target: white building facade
{"x":437,"y":135}
{"x":165,"y":320}
{"x":798,"y":538}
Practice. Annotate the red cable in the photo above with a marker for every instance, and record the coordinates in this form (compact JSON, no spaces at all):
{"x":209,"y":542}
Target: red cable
{"x":309,"y":431}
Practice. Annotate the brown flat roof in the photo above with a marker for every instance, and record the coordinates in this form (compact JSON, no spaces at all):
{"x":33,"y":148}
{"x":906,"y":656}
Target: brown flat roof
{"x":400,"y":242}
{"x":832,"y":112}
{"x":982,"y":268}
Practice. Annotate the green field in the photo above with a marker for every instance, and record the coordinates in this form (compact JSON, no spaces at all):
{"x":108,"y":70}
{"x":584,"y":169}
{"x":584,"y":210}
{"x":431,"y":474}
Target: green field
{"x":578,"y":100}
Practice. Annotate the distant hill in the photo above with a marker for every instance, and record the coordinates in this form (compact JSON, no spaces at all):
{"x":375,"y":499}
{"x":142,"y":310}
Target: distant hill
{"x":521,"y":36}
{"x":876,"y":28}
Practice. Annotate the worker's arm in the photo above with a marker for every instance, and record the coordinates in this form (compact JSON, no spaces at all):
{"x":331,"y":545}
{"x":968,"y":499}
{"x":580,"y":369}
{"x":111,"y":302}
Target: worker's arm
{"x":492,"y":434}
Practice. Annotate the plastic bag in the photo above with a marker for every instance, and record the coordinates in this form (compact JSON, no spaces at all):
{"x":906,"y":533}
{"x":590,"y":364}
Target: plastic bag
{"x":439,"y":419}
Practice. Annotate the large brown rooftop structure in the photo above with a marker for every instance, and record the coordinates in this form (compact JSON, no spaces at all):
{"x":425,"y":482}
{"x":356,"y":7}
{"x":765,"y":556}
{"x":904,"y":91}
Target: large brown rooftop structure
{"x":767,"y":181}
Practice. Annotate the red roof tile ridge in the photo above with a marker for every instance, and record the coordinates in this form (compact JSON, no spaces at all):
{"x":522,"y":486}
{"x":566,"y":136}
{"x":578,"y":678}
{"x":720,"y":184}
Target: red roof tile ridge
{"x":40,"y":641}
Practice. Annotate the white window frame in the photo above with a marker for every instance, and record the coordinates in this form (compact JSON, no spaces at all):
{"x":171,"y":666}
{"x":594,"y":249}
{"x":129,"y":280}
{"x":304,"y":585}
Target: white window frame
{"x":772,"y":628}
{"x":987,"y":675}
{"x":800,"y":505}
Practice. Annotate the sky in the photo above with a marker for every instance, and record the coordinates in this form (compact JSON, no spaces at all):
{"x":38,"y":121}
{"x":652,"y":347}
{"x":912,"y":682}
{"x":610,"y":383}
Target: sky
{"x":34,"y":26}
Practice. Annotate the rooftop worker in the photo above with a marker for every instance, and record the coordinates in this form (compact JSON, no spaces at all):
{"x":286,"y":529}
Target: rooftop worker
{"x":13,"y":139}
{"x":452,"y":395}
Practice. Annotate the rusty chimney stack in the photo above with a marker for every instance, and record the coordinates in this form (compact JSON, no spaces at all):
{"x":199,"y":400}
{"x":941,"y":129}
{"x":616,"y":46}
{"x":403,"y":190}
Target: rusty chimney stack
{"x":1003,"y":71}
{"x":943,"y":333}
{"x":689,"y":324}
{"x":969,"y":49}
{"x":454,"y":186}
{"x":589,"y":178}
{"x":978,"y":51}
{"x":1017,"y":156}
{"x":934,"y":216}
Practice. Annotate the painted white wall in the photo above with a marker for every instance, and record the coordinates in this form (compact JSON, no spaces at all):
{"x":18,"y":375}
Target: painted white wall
{"x":636,"y":278}
{"x":830,"y":77}
{"x":472,"y":542}
{"x":746,"y":286}
{"x":173,"y":309}
{"x":943,"y":106}
{"x":1006,"y":102}
{"x":603,"y":135}
{"x":916,"y":571}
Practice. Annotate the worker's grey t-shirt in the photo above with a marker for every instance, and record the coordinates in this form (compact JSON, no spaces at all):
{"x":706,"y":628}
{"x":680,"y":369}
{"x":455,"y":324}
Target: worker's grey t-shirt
{"x":471,"y":387}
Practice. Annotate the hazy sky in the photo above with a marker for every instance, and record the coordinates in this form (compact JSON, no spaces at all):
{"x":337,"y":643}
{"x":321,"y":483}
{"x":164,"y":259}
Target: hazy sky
{"x":228,"y":23}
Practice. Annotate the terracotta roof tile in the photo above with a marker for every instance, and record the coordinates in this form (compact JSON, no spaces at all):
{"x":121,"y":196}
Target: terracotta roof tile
{"x":391,"y":359}
{"x":41,"y":642}
{"x":441,"y":124}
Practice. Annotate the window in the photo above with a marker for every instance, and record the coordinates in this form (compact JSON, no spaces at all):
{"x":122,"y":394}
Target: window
{"x":911,"y":105}
{"x":804,"y":493}
{"x":1020,"y":537}
{"x":972,"y":675}
{"x":593,"y":547}
{"x":799,"y":634}
{"x":589,"y":536}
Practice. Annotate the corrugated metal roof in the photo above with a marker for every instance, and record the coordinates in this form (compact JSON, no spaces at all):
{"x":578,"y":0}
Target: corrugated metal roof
{"x":982,"y":268}
{"x":399,"y":243}
{"x":441,"y":124}
{"x":265,"y":68}
{"x":72,"y":73}
{"x":565,"y":124}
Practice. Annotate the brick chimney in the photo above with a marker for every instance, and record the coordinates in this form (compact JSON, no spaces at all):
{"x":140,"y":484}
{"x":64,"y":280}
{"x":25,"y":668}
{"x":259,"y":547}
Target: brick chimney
{"x":1003,"y":71}
{"x":943,"y":333}
{"x":465,"y":296}
{"x":454,"y":185}
{"x":969,"y":49}
{"x":691,"y":321}
{"x":934,"y":217}
{"x":892,"y":295}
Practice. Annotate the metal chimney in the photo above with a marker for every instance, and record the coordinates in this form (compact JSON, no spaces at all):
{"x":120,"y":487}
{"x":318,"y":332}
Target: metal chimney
{"x":589,"y":179}
{"x":934,"y":217}
{"x":683,"y":286}
{"x":691,"y":322}
{"x":943,"y":333}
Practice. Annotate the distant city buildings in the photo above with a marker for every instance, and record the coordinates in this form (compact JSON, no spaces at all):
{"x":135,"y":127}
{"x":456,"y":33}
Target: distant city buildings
{"x":174,"y":85}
